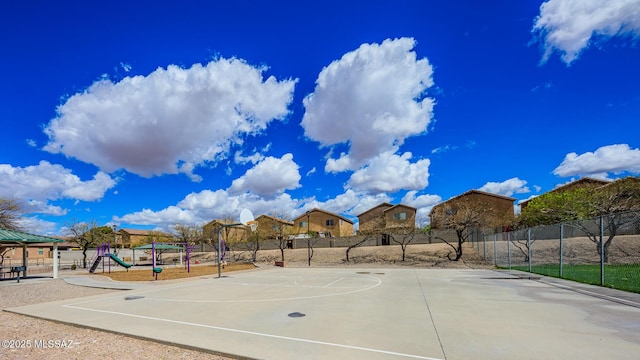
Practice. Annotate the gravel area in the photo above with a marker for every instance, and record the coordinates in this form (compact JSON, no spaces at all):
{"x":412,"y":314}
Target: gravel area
{"x":81,"y":343}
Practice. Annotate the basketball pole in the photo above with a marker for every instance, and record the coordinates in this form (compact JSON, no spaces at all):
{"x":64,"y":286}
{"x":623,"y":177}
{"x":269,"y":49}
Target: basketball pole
{"x":245,"y":217}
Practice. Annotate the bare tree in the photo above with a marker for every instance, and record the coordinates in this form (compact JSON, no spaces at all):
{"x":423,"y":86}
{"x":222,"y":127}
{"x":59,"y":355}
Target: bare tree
{"x":276,"y":230}
{"x":190,"y":234}
{"x":463,"y":216}
{"x":403,"y":236}
{"x":10,"y":211}
{"x":312,"y":240}
{"x":358,"y":243}
{"x":373,"y":231}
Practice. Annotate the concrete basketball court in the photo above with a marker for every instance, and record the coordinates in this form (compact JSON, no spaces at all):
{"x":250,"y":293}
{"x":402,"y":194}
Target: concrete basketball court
{"x":344,"y":313}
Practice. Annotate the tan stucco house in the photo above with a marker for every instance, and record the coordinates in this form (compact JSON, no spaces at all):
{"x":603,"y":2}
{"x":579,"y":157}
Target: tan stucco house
{"x":323,"y":223}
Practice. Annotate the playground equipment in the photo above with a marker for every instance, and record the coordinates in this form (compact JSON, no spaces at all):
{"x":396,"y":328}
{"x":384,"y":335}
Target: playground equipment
{"x":156,"y":248}
{"x":104,"y":251}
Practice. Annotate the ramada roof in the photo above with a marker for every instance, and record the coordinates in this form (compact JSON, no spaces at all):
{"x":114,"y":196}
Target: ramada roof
{"x":19,"y":237}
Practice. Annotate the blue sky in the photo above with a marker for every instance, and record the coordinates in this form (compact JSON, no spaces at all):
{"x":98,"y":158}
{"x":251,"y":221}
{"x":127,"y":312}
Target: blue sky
{"x":150,"y":114}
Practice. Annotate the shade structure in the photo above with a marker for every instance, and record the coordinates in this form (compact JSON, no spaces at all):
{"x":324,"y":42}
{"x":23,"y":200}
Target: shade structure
{"x":20,"y":238}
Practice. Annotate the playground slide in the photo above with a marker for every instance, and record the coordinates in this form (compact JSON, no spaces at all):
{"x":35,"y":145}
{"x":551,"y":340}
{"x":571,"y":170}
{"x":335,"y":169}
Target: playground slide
{"x":119,"y":261}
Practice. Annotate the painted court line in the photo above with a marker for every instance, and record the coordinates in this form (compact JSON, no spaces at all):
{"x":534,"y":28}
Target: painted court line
{"x":256,"y":333}
{"x":333,"y":282}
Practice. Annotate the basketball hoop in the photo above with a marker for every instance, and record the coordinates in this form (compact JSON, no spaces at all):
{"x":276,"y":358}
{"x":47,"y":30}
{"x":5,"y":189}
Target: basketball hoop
{"x":253,"y":225}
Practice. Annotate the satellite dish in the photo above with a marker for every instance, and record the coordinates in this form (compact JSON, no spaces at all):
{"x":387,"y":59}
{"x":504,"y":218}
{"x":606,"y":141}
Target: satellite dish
{"x":246,"y":216}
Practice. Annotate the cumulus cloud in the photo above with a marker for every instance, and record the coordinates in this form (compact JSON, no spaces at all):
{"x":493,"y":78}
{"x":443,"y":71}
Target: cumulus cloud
{"x":507,"y":187}
{"x":614,"y":159}
{"x":39,"y":226}
{"x":372,"y":99}
{"x":202,"y":207}
{"x":568,"y":26}
{"x":389,"y":173}
{"x":47,"y":181}
{"x":170,"y":121}
{"x":41,"y":207}
{"x":269,"y":177}
{"x":423,"y":204}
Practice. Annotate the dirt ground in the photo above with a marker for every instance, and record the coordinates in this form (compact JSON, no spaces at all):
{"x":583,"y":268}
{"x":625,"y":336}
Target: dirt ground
{"x":170,"y":272}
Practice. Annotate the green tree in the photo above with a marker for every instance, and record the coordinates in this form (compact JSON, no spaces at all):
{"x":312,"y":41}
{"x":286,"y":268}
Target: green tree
{"x":585,"y":208}
{"x":86,"y":235}
{"x":558,"y":207}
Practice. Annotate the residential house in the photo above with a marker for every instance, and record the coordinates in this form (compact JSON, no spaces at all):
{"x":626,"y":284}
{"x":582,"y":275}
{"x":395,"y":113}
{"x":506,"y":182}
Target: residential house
{"x":501,"y":213}
{"x":131,"y":238}
{"x":323,"y":223}
{"x":271,"y":227}
{"x":386,"y":217}
{"x":230,"y":234}
{"x":584,"y":183}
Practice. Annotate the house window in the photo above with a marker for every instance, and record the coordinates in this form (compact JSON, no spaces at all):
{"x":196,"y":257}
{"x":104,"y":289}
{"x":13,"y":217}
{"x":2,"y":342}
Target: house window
{"x":329,"y":222}
{"x":40,"y":251}
{"x":303,"y":224}
{"x":451,"y":211}
{"x":274,"y":227}
{"x":400,"y":216}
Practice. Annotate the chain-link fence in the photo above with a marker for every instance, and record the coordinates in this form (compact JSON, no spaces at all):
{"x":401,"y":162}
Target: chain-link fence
{"x":604,"y":250}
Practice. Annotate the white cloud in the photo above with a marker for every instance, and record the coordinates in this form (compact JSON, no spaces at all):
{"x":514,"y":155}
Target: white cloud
{"x":164,"y":218}
{"x":38,"y":226}
{"x":170,"y":121}
{"x":507,"y":187}
{"x":37,"y":206}
{"x":126,"y":67}
{"x":47,"y":181}
{"x":202,"y":207}
{"x":242,"y":159}
{"x":423,"y":204}
{"x":568,"y":26}
{"x":371,"y":99}
{"x":389,"y":173}
{"x":614,"y":159}
{"x":269,"y":177}
{"x":443,"y":149}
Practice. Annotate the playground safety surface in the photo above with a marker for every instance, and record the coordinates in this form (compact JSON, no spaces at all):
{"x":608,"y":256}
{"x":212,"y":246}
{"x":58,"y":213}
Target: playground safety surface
{"x":345,"y":313}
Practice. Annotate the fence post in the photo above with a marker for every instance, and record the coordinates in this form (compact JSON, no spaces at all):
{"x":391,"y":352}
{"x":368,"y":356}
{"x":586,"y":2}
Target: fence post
{"x":529,"y":247}
{"x":484,"y":246}
{"x":495,"y":252}
{"x":509,"y":249}
{"x":601,"y":251}
{"x":561,"y":237}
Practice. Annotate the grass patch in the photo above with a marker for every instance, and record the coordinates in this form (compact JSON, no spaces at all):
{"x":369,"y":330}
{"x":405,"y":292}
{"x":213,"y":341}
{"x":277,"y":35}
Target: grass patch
{"x":171,"y":272}
{"x":620,"y":276}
